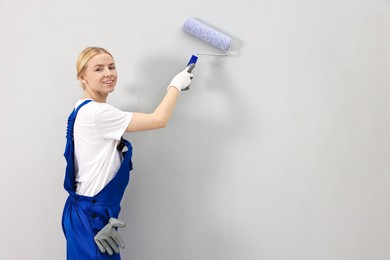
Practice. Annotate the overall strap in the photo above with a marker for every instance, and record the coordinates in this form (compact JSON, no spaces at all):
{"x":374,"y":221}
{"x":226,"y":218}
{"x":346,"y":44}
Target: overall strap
{"x":82,"y":104}
{"x":72,"y":118}
{"x":69,"y":129}
{"x":69,"y":150}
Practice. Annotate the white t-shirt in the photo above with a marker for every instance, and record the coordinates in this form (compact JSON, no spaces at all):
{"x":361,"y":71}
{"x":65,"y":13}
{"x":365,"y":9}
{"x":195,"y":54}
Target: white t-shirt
{"x":97,"y":131}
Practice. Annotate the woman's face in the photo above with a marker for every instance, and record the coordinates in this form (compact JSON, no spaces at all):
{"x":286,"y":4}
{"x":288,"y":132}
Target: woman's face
{"x":100,"y":75}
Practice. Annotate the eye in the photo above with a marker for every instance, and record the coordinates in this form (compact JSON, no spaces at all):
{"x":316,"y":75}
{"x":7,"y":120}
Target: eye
{"x":112,"y":67}
{"x":98,"y":69}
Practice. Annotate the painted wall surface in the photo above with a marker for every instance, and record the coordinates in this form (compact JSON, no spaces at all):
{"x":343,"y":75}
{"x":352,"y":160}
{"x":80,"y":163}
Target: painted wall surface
{"x":279,"y":151}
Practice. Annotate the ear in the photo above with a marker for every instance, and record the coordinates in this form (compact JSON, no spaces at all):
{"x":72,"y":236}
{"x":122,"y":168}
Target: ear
{"x":82,"y":79}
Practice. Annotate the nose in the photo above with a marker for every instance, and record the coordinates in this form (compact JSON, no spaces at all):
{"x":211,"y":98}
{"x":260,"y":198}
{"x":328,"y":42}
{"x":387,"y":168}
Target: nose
{"x":107,"y":72}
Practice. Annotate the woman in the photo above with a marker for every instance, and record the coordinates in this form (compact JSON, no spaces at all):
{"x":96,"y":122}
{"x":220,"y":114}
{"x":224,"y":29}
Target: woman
{"x":97,"y":170}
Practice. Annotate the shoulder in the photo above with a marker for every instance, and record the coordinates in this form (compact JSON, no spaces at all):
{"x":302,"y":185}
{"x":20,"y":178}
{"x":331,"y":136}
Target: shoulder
{"x":104,"y":113}
{"x":100,"y":109}
{"x":104,"y":108}
{"x":96,"y":106}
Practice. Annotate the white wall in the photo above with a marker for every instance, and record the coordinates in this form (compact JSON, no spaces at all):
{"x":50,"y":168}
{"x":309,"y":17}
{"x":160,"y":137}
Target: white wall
{"x":279,"y":151}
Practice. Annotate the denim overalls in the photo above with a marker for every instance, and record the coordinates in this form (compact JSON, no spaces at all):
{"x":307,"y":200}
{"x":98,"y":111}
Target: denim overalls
{"x":83,"y":217}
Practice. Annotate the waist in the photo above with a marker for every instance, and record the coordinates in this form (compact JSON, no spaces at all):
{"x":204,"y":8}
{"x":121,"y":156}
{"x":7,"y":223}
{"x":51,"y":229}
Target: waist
{"x":97,"y":200}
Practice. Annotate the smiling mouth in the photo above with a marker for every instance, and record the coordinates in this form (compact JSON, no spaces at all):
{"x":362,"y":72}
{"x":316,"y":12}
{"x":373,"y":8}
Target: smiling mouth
{"x":108,"y":82}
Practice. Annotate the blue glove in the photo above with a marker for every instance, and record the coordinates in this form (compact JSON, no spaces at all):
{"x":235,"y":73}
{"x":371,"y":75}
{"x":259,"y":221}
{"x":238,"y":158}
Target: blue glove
{"x":108,"y":239}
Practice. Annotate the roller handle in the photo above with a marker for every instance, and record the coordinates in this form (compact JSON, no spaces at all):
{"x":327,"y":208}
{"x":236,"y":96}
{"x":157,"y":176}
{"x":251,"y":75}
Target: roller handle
{"x":190,"y":67}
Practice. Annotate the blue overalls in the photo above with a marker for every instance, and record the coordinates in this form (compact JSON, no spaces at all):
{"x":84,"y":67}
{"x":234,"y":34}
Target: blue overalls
{"x":83,"y":217}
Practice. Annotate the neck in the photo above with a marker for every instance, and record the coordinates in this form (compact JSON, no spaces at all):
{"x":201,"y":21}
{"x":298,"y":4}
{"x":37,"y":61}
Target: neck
{"x":95,"y":96}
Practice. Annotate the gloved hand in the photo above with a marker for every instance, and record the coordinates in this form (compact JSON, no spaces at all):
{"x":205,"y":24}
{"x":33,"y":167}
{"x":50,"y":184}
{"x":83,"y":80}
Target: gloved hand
{"x":108,"y":239}
{"x":181,"y":80}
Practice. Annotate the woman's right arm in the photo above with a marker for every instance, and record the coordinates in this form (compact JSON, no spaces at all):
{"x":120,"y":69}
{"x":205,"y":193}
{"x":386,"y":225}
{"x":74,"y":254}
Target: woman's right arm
{"x":161,"y":115}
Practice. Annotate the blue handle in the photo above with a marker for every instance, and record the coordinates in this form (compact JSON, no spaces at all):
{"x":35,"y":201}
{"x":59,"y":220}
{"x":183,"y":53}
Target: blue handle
{"x":193,"y":61}
{"x":191,"y":66}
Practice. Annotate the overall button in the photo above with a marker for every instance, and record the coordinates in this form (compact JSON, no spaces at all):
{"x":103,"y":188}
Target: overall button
{"x":93,"y":215}
{"x":93,"y":201}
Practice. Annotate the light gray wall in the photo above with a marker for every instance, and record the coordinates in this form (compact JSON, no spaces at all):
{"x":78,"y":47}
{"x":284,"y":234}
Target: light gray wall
{"x":279,"y":151}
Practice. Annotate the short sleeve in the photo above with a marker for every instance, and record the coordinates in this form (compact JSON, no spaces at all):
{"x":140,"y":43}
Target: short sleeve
{"x":111,"y":122}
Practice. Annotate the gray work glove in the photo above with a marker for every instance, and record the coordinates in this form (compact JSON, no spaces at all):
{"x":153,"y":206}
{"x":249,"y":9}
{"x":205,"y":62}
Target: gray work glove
{"x":108,"y":239}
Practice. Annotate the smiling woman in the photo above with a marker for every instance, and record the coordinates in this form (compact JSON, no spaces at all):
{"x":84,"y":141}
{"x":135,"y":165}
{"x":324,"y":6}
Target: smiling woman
{"x":98,"y":78}
{"x":97,"y":171}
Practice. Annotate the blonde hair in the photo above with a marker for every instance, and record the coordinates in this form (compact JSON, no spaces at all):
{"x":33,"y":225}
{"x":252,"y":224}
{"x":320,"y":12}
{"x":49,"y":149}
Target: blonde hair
{"x":87,"y":54}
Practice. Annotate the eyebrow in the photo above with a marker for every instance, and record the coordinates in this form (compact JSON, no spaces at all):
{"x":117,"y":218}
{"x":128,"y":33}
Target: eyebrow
{"x":102,"y":65}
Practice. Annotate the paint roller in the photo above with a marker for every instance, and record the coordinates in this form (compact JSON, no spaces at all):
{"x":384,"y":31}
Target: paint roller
{"x":208,"y":35}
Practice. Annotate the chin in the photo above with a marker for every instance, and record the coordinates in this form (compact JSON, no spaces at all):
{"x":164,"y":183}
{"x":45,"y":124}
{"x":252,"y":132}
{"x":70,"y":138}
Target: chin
{"x":110,"y":89}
